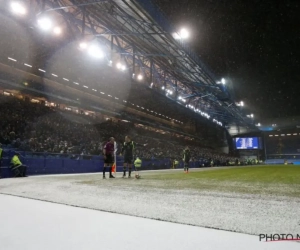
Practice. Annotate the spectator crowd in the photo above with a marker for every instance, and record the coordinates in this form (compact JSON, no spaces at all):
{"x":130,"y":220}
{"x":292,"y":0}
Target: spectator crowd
{"x":27,"y":126}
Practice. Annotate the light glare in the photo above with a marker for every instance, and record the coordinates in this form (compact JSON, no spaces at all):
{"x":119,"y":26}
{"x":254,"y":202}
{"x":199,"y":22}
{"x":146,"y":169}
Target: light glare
{"x":57,"y":30}
{"x":17,"y":8}
{"x":45,"y":23}
{"x":83,"y":45}
{"x":184,"y":34}
{"x":96,"y":52}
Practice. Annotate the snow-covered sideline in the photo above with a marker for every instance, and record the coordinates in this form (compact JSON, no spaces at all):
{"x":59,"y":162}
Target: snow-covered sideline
{"x":34,"y":225}
{"x":251,"y":214}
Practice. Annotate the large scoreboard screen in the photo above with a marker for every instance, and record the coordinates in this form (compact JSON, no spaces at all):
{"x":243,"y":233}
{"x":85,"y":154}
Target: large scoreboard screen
{"x":247,"y":143}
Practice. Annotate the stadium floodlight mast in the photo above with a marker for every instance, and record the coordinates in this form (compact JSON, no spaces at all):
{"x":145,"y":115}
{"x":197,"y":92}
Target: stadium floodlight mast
{"x":18,"y":8}
{"x":45,"y":23}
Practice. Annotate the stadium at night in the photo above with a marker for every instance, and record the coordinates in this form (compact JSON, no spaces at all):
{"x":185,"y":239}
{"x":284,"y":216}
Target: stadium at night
{"x":130,"y":138}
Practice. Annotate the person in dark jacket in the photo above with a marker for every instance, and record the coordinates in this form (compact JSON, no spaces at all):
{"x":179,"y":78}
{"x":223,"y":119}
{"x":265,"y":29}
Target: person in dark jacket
{"x":186,"y":156}
{"x":128,"y":153}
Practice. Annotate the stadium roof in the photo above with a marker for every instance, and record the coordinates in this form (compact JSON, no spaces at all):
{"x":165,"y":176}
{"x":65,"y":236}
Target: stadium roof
{"x":136,"y":33}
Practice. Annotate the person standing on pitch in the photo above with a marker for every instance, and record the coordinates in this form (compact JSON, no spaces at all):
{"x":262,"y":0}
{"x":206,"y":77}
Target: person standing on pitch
{"x":175,"y":163}
{"x":186,"y":159}
{"x":137,"y":167}
{"x":128,"y":152}
{"x":108,"y":152}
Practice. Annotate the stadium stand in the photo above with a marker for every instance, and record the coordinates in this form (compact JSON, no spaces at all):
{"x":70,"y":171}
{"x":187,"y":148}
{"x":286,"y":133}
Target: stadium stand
{"x":33,"y":127}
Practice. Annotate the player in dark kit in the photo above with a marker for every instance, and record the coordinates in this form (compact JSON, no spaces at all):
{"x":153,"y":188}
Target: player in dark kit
{"x":128,"y":152}
{"x":186,"y":159}
{"x":108,"y":152}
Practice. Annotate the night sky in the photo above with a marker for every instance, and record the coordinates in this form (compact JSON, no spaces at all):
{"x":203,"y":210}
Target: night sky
{"x":254,"y":44}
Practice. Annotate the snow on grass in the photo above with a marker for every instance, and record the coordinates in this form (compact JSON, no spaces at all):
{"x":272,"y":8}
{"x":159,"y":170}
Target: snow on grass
{"x":187,"y":201}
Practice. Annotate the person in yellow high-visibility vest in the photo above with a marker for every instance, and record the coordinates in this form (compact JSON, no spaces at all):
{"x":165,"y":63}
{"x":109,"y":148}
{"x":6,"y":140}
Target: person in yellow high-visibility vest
{"x":175,"y":163}
{"x":137,"y":166}
{"x":18,"y":168}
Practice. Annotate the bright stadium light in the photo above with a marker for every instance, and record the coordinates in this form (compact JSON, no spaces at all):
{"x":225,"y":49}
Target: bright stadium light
{"x":163,"y":87}
{"x":184,"y":34}
{"x":45,"y":23}
{"x":57,"y":30}
{"x":140,"y":77}
{"x":83,"y":45}
{"x":18,"y":8}
{"x":95,"y":51}
{"x":119,"y":65}
{"x":240,"y":104}
{"x":223,"y":81}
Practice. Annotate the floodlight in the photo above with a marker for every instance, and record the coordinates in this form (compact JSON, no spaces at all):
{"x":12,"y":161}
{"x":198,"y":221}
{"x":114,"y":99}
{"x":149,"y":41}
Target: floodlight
{"x":184,"y":34}
{"x":18,"y":8}
{"x":242,"y":104}
{"x":119,"y":65}
{"x":45,"y":23}
{"x":57,"y":30}
{"x":162,"y":87}
{"x":140,"y":77}
{"x":83,"y":45}
{"x":223,"y":81}
{"x":95,"y":51}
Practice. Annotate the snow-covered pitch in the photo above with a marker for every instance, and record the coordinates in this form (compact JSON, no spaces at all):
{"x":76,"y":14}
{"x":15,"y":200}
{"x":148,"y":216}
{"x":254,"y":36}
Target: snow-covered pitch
{"x":118,"y":214}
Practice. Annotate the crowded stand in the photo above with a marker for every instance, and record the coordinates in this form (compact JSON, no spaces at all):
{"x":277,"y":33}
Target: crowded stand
{"x":28,"y":126}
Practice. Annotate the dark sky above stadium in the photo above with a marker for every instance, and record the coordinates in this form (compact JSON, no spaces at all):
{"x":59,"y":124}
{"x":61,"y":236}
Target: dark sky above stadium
{"x":254,"y":44}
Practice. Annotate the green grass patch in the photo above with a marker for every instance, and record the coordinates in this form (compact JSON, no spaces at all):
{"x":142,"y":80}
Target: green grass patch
{"x":275,"y":180}
{"x":255,"y":174}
